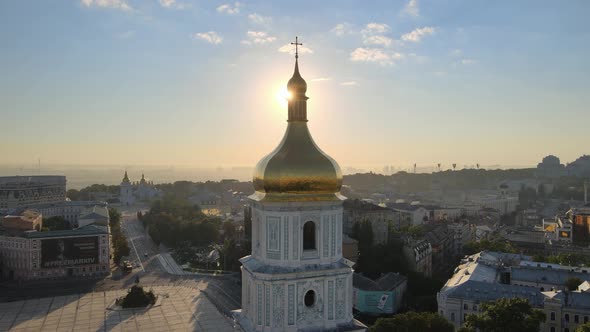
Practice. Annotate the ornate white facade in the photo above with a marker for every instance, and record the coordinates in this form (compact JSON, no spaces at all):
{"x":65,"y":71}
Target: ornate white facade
{"x":281,"y":273}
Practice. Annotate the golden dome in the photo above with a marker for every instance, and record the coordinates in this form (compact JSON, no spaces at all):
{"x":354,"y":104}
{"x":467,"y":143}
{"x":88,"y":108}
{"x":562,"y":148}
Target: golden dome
{"x":297,"y":170}
{"x":297,"y":84}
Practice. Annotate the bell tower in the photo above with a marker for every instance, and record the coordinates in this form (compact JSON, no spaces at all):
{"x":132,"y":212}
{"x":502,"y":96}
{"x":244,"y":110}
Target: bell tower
{"x":296,"y":278}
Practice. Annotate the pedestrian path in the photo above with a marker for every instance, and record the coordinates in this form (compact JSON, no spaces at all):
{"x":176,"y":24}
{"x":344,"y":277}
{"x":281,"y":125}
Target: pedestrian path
{"x":180,"y":309}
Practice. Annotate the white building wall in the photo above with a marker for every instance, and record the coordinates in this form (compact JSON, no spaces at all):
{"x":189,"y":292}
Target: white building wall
{"x":274,"y":301}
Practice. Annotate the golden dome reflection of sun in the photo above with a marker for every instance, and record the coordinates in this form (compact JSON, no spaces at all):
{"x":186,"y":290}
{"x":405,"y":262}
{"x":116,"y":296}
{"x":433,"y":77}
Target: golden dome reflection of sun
{"x":297,"y":170}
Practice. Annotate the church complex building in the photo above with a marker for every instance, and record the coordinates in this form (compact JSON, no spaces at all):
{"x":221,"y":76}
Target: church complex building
{"x":139,"y":191}
{"x":296,"y":278}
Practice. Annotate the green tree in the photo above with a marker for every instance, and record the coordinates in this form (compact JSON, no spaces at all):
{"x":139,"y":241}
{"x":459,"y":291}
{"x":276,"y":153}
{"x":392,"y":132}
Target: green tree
{"x":491,"y":245}
{"x":119,"y":242}
{"x":583,"y":328}
{"x":569,"y":259}
{"x":229,"y":230}
{"x":504,"y":314}
{"x":114,"y":217}
{"x":248,"y":222}
{"x":365,"y":236}
{"x":356,"y":230}
{"x":572,"y":283}
{"x":57,"y":223}
{"x":413,"y":321}
{"x":171,"y":224}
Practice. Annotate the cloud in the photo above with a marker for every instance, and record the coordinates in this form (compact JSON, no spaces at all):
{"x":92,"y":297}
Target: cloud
{"x":172,"y":4}
{"x":320,"y":79}
{"x":259,"y":19}
{"x":378,"y":40}
{"x":211,"y":37}
{"x":412,"y":8}
{"x":288,"y":48}
{"x":342,"y":29}
{"x":468,"y":62}
{"x":350,"y":83}
{"x":375,"y":28}
{"x":376,"y":55}
{"x":373,"y":34}
{"x":417,"y":34}
{"x":114,"y":4}
{"x":258,"y":38}
{"x":229,"y":9}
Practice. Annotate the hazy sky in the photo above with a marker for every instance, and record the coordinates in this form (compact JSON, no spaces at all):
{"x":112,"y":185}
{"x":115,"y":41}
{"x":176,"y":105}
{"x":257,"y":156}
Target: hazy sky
{"x":195,"y":83}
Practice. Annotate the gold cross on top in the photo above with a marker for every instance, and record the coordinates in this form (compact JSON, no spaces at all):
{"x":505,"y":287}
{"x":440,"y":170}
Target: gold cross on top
{"x":296,"y":43}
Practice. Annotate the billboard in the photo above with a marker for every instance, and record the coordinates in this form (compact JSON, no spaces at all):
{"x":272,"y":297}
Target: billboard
{"x":69,"y":251}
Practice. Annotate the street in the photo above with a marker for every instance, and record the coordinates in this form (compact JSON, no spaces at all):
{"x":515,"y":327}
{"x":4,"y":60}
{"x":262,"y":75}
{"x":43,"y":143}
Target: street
{"x":144,"y":252}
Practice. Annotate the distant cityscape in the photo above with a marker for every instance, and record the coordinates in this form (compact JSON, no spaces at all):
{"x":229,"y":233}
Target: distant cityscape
{"x":80,"y":176}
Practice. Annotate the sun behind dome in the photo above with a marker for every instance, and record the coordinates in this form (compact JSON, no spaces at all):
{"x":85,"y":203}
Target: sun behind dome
{"x":297,"y":170}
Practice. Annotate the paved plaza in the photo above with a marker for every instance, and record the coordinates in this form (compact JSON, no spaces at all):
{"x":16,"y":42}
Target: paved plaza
{"x":178,"y":309}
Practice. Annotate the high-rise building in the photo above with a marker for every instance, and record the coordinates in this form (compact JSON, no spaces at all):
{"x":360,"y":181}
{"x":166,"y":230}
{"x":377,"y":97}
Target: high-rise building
{"x":296,"y":278}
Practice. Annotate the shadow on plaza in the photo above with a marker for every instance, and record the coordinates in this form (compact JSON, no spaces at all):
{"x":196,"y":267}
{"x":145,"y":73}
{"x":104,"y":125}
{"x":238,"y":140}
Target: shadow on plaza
{"x":20,"y":291}
{"x":18,"y":315}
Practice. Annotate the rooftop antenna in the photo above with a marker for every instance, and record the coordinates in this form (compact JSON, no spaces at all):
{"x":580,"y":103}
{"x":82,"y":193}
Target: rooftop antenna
{"x":39,"y":161}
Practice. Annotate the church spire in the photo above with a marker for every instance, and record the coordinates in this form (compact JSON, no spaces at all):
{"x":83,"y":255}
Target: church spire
{"x":126,"y":178}
{"x":297,"y":88}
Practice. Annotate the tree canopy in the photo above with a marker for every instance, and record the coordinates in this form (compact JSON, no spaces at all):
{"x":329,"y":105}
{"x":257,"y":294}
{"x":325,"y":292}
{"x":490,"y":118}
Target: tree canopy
{"x":413,"y":321}
{"x":569,"y":259}
{"x":172,"y":221}
{"x":120,"y":246}
{"x":515,"y":314}
{"x":85,"y":194}
{"x":491,"y":245}
{"x":57,"y":223}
